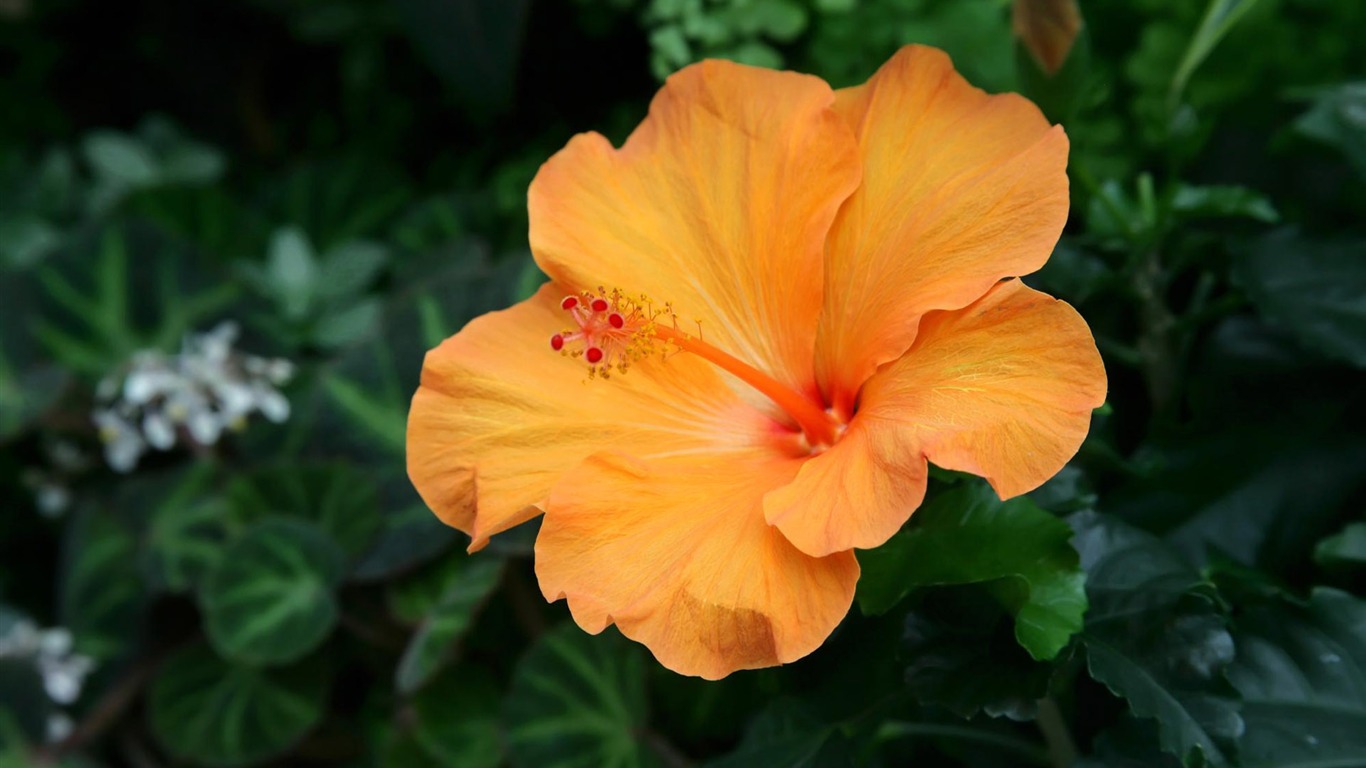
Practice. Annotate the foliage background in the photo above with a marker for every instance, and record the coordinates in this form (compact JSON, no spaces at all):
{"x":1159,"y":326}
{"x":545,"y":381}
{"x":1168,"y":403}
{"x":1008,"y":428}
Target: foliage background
{"x":345,"y":179}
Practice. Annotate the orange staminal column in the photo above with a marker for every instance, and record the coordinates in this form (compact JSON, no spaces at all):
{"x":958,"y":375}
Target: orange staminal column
{"x":820,"y":427}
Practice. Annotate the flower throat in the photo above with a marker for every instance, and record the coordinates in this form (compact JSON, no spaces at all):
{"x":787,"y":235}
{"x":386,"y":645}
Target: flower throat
{"x":612,"y":331}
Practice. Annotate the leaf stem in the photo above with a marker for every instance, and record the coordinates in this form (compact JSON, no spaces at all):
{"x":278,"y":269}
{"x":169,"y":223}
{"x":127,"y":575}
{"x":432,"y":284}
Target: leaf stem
{"x":1062,"y":750}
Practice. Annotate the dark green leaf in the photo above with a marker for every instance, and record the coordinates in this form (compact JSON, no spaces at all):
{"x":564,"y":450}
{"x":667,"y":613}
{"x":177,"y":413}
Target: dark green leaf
{"x":789,"y":735}
{"x":207,"y":711}
{"x":1302,"y":675}
{"x":102,"y":594}
{"x":338,"y":498}
{"x":1206,"y":202}
{"x":1155,"y":637}
{"x":969,"y":536}
{"x":1220,"y":16}
{"x":270,"y":600}
{"x":474,"y":45}
{"x":961,"y":655}
{"x":457,"y":721}
{"x":1316,"y":289}
{"x":187,"y":528}
{"x":1345,"y":548}
{"x":464,"y":592}
{"x":1338,"y":118}
{"x":577,"y":700}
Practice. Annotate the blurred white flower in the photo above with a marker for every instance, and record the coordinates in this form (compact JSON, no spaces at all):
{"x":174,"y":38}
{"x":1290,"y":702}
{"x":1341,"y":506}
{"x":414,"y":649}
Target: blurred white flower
{"x":50,"y":651}
{"x":49,"y":482}
{"x":158,"y":401}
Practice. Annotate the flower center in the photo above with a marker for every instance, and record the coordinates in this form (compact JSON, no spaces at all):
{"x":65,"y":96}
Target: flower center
{"x":613,"y":331}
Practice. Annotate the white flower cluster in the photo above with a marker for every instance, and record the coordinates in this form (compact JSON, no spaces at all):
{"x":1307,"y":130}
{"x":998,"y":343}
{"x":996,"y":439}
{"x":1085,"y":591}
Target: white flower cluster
{"x":160,"y":400}
{"x":62,"y":671}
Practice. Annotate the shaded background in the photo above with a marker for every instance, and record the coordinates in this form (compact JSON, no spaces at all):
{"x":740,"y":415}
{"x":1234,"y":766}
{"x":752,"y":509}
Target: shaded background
{"x":344,"y":180}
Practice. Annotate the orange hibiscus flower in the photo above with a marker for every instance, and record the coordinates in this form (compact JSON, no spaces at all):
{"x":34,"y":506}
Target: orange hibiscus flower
{"x":796,"y":297}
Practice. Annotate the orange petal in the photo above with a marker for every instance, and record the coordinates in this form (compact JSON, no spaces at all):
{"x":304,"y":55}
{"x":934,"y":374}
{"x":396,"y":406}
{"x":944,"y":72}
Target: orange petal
{"x":1003,"y":389}
{"x":676,"y":553}
{"x":499,"y":417}
{"x":959,"y":190}
{"x":719,"y":203}
{"x":856,"y":494}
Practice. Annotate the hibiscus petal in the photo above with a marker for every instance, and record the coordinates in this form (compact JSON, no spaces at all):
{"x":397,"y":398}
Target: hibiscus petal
{"x":499,"y":416}
{"x":960,"y":189}
{"x":1003,"y":389}
{"x":719,"y":203}
{"x":676,"y":553}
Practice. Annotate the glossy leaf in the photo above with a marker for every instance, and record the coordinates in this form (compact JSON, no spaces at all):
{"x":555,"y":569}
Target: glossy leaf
{"x":1302,"y":676}
{"x":271,"y":600}
{"x":1155,"y":637}
{"x":969,"y":536}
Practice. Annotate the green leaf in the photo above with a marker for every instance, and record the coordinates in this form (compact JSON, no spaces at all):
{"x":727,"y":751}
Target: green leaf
{"x":1302,"y":675}
{"x":102,"y":594}
{"x":961,"y":655}
{"x":1220,"y":16}
{"x":1346,"y":548}
{"x":120,"y":158}
{"x":1208,"y":202}
{"x":271,"y":600}
{"x":345,"y":325}
{"x":433,"y":645}
{"x":336,"y":497}
{"x":969,"y":536}
{"x":1155,"y":637}
{"x":1316,"y":289}
{"x":788,"y":734}
{"x":209,"y":712}
{"x":1129,"y":744}
{"x":1338,"y":118}
{"x":350,"y":268}
{"x":457,"y":721}
{"x":292,"y":273}
{"x":187,"y":524}
{"x":577,"y":700}
{"x":473,"y":46}
{"x":411,"y":536}
{"x":1241,"y":493}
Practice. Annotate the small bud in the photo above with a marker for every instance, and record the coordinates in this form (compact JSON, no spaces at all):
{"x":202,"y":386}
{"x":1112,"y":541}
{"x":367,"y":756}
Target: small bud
{"x":1048,"y":28}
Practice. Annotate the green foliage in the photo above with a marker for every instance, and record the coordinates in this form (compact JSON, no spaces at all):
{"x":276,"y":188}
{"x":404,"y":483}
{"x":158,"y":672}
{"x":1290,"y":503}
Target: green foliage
{"x":211,"y":712}
{"x":1156,"y":637}
{"x":346,"y":181}
{"x":575,"y":699}
{"x":968,"y":536}
{"x":270,"y":599}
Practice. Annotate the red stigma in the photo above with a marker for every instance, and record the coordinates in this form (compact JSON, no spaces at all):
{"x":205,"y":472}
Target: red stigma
{"x":600,"y":305}
{"x":593,"y":355}
{"x":569,"y":302}
{"x":616,"y":320}
{"x":557,"y":341}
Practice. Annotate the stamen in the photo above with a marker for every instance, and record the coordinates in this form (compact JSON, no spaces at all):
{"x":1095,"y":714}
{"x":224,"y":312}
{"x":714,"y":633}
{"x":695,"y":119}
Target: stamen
{"x":617,"y":331}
